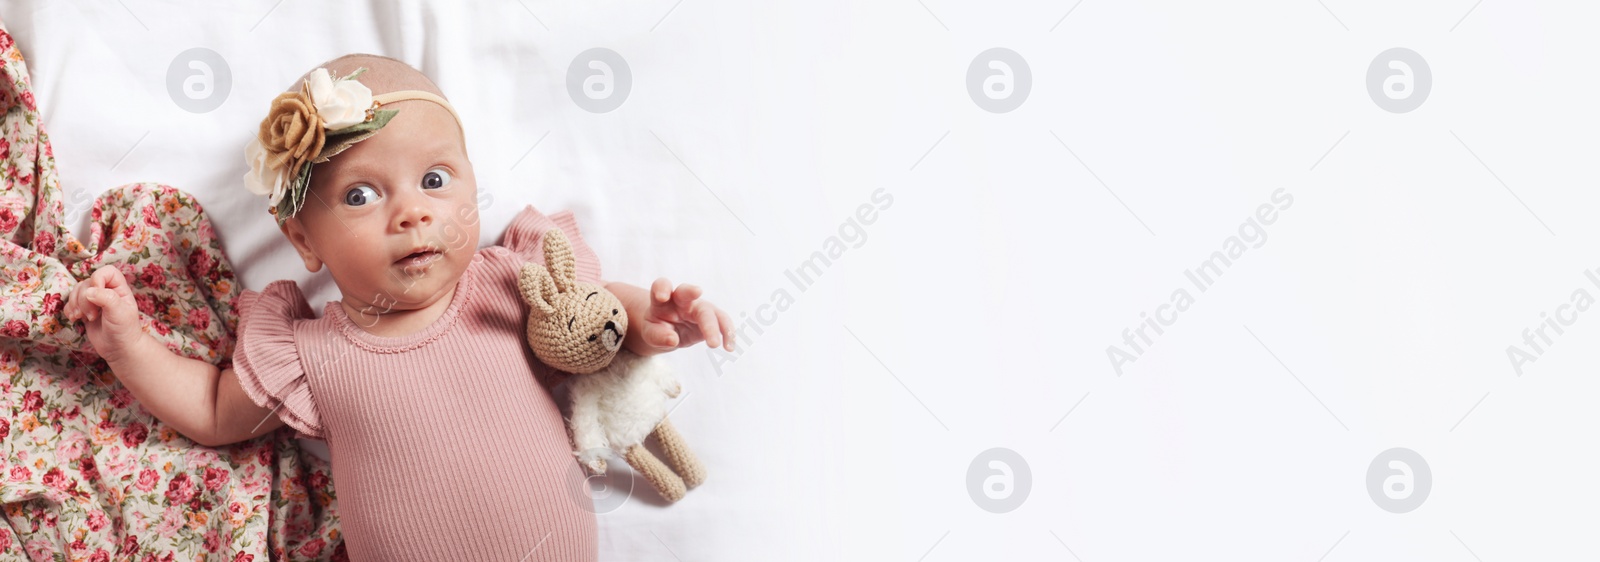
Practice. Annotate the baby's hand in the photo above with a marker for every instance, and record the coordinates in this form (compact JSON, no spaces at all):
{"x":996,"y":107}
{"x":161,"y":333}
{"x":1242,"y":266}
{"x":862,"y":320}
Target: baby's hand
{"x":676,"y":317}
{"x":105,"y":304}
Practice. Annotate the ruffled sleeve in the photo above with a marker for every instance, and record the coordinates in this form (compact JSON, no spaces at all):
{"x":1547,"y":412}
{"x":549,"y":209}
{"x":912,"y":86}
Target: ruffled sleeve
{"x":525,"y":236}
{"x":266,"y":360}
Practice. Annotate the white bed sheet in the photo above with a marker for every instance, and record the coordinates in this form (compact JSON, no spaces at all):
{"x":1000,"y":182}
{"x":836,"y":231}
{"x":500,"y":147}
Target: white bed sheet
{"x":978,"y":311}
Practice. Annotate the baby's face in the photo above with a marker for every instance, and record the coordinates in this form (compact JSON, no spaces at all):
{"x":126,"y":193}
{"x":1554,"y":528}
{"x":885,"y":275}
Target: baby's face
{"x":395,"y":216}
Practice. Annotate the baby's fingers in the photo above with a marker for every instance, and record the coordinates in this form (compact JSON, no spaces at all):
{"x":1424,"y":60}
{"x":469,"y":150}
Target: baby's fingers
{"x":684,"y":296}
{"x":727,"y":329}
{"x":78,"y":307}
{"x":661,"y":290}
{"x":110,"y":277}
{"x":660,"y":334}
{"x":83,"y":308}
{"x":107,"y":303}
{"x":705,"y":316}
{"x":70,"y":310}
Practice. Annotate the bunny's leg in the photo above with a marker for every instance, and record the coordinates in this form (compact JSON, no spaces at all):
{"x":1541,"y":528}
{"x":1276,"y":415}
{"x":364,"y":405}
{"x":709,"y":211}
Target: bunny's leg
{"x":669,"y":485}
{"x":678,"y":454}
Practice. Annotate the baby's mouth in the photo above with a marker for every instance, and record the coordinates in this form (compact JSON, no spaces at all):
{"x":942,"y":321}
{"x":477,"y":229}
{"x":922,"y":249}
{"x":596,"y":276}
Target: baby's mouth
{"x":421,"y":258}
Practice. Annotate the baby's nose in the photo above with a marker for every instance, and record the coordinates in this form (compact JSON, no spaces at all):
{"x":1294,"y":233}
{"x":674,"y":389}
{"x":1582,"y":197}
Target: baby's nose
{"x":413,"y":211}
{"x":413,"y":217}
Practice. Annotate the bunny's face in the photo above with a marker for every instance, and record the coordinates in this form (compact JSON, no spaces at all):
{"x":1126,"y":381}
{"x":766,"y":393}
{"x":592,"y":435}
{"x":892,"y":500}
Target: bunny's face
{"x":582,"y":330}
{"x":575,"y":327}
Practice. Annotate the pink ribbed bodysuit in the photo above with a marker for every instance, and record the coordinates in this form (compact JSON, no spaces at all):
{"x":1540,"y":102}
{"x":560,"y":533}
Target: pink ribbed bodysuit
{"x":446,"y":443}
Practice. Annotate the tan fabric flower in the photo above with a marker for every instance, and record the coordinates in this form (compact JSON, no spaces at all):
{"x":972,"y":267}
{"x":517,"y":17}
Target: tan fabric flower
{"x":296,"y":131}
{"x":292,"y":133}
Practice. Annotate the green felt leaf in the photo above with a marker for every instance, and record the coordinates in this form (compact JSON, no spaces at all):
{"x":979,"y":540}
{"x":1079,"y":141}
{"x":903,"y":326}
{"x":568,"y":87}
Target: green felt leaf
{"x":380,"y":118}
{"x":295,"y":196}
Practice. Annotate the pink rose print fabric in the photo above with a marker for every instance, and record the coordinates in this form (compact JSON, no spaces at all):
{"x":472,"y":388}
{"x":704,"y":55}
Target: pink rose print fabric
{"x":85,"y":472}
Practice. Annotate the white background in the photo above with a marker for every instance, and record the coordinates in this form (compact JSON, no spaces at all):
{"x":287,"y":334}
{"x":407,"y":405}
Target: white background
{"x":978,"y":311}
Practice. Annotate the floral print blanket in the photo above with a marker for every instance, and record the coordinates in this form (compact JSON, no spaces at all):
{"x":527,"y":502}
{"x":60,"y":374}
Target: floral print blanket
{"x":86,"y":473}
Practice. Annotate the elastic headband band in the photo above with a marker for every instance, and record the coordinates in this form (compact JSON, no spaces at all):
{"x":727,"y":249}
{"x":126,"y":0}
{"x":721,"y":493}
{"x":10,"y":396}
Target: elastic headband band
{"x":403,"y":95}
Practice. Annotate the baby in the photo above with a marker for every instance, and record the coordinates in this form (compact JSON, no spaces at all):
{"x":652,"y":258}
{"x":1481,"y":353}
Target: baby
{"x":446,"y":443}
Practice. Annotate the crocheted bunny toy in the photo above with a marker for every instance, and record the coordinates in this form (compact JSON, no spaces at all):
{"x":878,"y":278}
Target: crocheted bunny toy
{"x":618,"y":398}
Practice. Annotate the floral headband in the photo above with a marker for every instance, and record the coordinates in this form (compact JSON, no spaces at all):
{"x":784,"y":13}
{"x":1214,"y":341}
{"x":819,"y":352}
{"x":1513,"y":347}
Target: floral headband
{"x":310,"y":126}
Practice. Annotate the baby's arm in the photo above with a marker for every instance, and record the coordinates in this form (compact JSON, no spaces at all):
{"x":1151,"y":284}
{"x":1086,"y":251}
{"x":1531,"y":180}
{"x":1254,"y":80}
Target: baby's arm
{"x":203,"y":403}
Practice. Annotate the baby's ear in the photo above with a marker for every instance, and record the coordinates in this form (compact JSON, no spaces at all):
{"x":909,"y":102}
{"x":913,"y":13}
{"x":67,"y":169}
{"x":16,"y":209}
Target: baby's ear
{"x":296,"y":233}
{"x":537,"y":289}
{"x":558,"y":258}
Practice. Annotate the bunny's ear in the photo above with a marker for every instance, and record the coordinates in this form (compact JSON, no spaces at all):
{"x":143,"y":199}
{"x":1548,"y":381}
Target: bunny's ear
{"x":537,"y":289}
{"x":558,"y":258}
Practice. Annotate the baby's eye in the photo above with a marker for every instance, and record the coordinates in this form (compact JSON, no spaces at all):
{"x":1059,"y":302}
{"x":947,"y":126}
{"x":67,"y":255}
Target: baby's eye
{"x":360,"y":195}
{"x":436,"y":178}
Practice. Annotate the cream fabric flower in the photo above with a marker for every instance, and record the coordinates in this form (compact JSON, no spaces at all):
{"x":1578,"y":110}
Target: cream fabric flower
{"x":262,"y":178}
{"x":340,"y":103}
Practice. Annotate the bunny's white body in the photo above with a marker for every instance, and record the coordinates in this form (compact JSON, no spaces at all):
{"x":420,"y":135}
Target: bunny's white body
{"x":618,"y":406}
